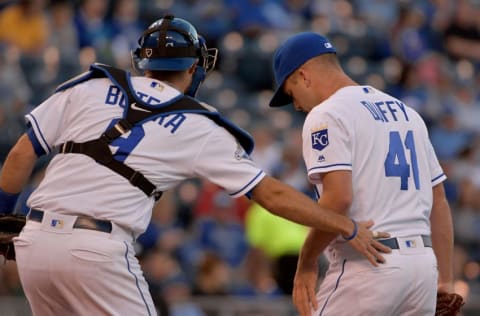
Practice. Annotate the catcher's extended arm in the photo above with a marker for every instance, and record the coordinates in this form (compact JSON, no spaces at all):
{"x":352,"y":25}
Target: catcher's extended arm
{"x":10,"y":226}
{"x":448,"y":304}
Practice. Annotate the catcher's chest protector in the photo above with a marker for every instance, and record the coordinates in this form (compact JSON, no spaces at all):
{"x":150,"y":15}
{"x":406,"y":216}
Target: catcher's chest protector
{"x":138,"y":112}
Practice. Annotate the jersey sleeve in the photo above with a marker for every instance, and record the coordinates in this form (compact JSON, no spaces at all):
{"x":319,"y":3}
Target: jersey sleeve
{"x":224,"y":162}
{"x":436,"y":170}
{"x":46,"y":121}
{"x":326,"y":145}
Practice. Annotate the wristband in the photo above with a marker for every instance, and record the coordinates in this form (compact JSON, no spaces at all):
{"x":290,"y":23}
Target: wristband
{"x":355,"y":231}
{"x":8,"y":201}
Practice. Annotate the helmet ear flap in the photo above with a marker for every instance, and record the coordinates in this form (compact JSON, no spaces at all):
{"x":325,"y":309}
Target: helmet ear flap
{"x":197,"y":79}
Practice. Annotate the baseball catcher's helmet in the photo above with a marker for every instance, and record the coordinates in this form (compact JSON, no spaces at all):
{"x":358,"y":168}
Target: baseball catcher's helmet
{"x":172,"y":44}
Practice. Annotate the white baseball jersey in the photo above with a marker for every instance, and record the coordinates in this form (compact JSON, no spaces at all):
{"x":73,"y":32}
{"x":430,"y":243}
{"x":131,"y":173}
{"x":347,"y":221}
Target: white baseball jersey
{"x":386,"y":146}
{"x":167,"y":150}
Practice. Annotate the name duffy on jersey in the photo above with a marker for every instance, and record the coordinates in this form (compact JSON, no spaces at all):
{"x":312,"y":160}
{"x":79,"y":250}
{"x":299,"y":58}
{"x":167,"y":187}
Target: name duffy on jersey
{"x":386,"y":111}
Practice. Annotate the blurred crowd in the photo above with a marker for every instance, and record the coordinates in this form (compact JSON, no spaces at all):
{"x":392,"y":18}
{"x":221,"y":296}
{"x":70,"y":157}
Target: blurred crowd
{"x":200,"y":241}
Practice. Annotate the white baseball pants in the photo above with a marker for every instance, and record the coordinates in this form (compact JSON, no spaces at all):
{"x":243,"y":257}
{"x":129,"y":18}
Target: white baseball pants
{"x":66,"y":271}
{"x":406,"y":285}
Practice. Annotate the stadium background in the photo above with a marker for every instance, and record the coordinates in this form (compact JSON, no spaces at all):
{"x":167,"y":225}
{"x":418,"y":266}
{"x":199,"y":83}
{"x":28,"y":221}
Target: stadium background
{"x":204,"y":253}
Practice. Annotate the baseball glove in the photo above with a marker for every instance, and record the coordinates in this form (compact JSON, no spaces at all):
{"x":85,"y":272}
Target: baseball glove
{"x":448,"y":304}
{"x":10,"y":226}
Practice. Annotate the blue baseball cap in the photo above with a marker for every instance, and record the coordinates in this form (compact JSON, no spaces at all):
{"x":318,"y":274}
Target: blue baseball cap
{"x":296,"y":51}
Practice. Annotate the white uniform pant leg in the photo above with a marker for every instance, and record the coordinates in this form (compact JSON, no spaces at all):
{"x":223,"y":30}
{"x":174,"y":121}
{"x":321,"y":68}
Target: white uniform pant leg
{"x":405,"y":285}
{"x":81,"y":272}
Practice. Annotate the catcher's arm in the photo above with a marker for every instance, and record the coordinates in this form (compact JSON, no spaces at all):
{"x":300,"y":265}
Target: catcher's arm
{"x":15,"y":172}
{"x":442,"y":238}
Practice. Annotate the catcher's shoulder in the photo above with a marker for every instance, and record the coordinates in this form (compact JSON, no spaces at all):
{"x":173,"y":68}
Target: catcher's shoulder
{"x":96,"y":70}
{"x":84,"y":76}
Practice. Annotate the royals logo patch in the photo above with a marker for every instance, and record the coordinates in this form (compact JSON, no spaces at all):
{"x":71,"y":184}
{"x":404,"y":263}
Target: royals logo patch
{"x":320,"y":139}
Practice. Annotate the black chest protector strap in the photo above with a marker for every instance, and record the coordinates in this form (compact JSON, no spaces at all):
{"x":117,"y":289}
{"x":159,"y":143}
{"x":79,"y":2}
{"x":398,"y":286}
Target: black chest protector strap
{"x":137,"y":111}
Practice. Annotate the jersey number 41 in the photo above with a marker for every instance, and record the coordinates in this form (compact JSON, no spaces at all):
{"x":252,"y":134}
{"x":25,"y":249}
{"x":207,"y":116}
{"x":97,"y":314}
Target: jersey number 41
{"x":396,"y":164}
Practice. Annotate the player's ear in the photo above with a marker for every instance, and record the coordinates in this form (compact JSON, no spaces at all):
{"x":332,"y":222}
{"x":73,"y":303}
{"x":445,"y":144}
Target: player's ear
{"x":191,"y":70}
{"x":304,"y":77}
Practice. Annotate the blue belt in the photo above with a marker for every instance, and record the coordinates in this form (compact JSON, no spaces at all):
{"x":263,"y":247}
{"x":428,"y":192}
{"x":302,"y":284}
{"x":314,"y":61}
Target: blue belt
{"x":82,"y":222}
{"x":393,"y":242}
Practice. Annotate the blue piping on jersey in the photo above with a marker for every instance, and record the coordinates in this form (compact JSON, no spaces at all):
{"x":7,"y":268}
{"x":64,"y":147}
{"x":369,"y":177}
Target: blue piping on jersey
{"x":39,"y":151}
{"x":250,"y":182}
{"x":436,"y":178}
{"x":333,"y":165}
{"x":336,"y":286}
{"x":136,"y":279}
{"x":36,"y":127}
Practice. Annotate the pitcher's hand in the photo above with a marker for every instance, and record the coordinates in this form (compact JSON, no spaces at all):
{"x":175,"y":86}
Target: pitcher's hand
{"x":365,"y":243}
{"x":304,"y":289}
